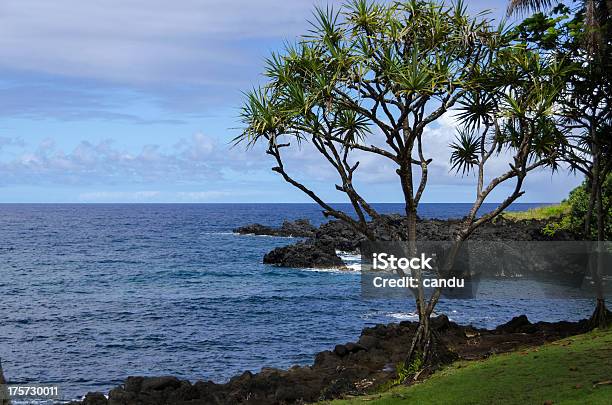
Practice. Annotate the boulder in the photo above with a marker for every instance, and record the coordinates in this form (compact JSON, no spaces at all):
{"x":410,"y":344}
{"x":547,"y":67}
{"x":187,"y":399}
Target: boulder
{"x":304,"y":255}
{"x":160,"y":383}
{"x":95,"y":398}
{"x":515,"y":325}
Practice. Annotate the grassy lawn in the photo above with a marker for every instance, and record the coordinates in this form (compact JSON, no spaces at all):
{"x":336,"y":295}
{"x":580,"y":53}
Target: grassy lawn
{"x":563,"y":372}
{"x":548,"y":211}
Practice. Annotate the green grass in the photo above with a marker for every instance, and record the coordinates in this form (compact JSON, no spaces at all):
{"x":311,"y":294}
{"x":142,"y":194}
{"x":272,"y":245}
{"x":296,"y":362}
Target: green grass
{"x":563,"y":372}
{"x":546,"y":212}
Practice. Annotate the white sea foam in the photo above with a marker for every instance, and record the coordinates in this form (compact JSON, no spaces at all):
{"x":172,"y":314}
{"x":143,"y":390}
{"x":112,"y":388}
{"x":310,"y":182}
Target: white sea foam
{"x":335,"y":270}
{"x":352,"y":264}
{"x":259,"y":236}
{"x":404,"y":316}
{"x":351,"y":260}
{"x":411,"y":316}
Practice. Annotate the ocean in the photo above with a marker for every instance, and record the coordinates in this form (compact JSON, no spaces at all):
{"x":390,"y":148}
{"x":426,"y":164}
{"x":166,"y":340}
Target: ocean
{"x":93,"y":293}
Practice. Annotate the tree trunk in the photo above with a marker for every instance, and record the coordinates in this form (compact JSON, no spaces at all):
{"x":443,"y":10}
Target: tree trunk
{"x":601,"y":316}
{"x":421,"y":349}
{"x":593,"y":192}
{"x":590,"y":207}
{"x":420,"y":352}
{"x":427,"y":349}
{"x":412,"y":223}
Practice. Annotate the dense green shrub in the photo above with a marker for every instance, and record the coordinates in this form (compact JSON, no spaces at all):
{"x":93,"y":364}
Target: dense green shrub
{"x":578,"y":202}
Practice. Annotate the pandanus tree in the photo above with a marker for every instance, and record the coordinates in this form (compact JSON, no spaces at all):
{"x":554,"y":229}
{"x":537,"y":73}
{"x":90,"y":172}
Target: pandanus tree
{"x":581,"y":37}
{"x":368,"y":81}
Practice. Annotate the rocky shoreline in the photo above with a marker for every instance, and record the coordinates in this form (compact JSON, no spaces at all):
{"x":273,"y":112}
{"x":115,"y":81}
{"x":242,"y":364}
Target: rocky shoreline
{"x":349,"y":369}
{"x":319,"y":247}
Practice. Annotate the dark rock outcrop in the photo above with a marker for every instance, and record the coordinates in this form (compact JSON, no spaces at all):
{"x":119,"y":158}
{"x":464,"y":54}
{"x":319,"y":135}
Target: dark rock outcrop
{"x":319,"y":249}
{"x":300,"y":228}
{"x":518,"y":324}
{"x":310,"y":254}
{"x":95,"y":398}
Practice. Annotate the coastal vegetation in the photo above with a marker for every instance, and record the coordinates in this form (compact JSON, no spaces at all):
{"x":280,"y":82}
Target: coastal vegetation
{"x":570,"y":214}
{"x":367,"y":82}
{"x":581,"y":36}
{"x":546,"y":212}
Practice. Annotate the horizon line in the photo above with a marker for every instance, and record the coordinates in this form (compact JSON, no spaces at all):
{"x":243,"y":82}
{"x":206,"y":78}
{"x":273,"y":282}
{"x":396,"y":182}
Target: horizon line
{"x":250,"y":202}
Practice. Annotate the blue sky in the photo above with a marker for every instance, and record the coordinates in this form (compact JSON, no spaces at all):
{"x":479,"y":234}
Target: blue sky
{"x":137,"y":100}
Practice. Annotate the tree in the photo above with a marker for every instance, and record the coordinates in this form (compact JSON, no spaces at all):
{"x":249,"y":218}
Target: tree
{"x":370,"y":83}
{"x":573,"y":36}
{"x":369,"y":80}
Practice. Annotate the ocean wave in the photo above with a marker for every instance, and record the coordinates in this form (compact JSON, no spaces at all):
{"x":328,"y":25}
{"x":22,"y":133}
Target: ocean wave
{"x":352,"y":264}
{"x":334,"y":270}
{"x":262,"y":236}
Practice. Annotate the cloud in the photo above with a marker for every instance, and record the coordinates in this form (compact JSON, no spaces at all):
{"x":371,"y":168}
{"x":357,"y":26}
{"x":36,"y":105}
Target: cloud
{"x":143,"y":62}
{"x":194,"y":41}
{"x":74,"y":59}
{"x":110,"y":196}
{"x":204,"y":196}
{"x":191,"y":160}
{"x":70,"y":103}
{"x":140,"y":41}
{"x":9,"y":142}
{"x":201,"y":168}
{"x":161,"y":196}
